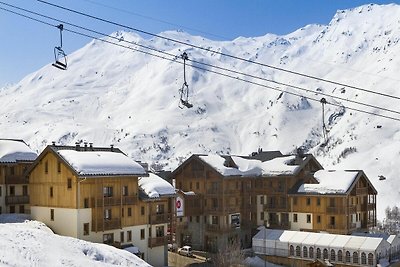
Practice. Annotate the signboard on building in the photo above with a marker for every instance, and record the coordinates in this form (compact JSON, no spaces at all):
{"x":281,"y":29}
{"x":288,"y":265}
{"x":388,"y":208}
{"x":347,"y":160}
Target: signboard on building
{"x":235,"y":220}
{"x":179,"y":206}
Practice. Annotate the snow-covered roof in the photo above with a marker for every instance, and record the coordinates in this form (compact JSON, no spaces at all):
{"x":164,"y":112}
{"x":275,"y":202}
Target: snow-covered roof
{"x":155,"y":187}
{"x":330,"y":182}
{"x":102,"y":163}
{"x":252,"y":167}
{"x":322,"y":240}
{"x":15,"y":150}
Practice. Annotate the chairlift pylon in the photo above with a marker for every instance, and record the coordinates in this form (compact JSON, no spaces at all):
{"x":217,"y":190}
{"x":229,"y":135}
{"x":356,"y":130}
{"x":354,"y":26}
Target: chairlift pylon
{"x":184,"y":90}
{"x":60,"y":58}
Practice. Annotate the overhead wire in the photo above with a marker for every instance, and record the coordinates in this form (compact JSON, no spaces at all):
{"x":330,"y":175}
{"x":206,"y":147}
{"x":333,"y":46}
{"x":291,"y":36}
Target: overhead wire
{"x":220,"y":53}
{"x":202,"y":68}
{"x":207,"y":64}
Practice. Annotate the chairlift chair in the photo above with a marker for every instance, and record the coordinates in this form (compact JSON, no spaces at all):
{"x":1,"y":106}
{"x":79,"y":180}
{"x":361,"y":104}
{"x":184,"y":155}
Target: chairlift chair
{"x":60,"y":58}
{"x":184,"y":90}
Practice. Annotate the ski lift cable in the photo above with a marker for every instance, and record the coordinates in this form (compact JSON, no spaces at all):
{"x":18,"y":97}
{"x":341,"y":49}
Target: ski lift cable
{"x":220,"y":53}
{"x":207,"y":70}
{"x":210,"y":65}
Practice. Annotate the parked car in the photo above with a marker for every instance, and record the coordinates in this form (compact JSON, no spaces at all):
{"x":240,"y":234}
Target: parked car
{"x":185,"y":250}
{"x":172,"y":247}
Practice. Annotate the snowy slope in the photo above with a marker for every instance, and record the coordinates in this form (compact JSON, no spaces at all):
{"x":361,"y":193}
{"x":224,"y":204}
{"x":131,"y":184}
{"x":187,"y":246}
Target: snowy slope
{"x":32,"y":243}
{"x":113,"y":95}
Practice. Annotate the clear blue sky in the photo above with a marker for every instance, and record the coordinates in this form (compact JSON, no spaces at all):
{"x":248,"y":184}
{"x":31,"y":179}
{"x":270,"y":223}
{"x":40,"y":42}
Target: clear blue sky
{"x":26,"y":46}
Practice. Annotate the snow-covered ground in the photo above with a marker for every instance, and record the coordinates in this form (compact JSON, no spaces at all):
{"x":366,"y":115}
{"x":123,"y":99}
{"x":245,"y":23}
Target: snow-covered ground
{"x":31,"y":243}
{"x":113,"y":95}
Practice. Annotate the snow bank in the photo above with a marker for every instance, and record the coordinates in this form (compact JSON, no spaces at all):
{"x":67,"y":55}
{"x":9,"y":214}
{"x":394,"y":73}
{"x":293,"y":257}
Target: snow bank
{"x":33,"y":244}
{"x":101,"y":163}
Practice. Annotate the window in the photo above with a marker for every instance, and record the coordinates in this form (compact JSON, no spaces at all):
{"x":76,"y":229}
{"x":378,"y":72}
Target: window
{"x":59,"y":167}
{"x":298,"y":251}
{"x":355,"y":257}
{"x":197,"y":185}
{"x":198,"y":219}
{"x":107,"y":214}
{"x":0,"y":191}
{"x":12,"y":190}
{"x":46,"y":167}
{"x":21,"y":209}
{"x":108,"y":238}
{"x":122,"y":237}
{"x":319,"y":219}
{"x":262,"y":215}
{"x":86,"y":229}
{"x":214,"y":219}
{"x":142,"y":210}
{"x":318,"y":201}
{"x":86,"y":203}
{"x":370,"y":259}
{"x":308,"y":218}
{"x":129,"y":212}
{"x":340,"y":256}
{"x":347,"y":256}
{"x":12,"y":170}
{"x":291,"y":250}
{"x":12,"y":209}
{"x":142,"y":233}
{"x":262,"y":200}
{"x":125,"y":190}
{"x":107,"y":191}
{"x":160,"y":231}
{"x":1,"y":210}
{"x":333,"y":255}
{"x":190,"y":218}
{"x":129,"y":236}
{"x":69,"y":183}
{"x":305,"y":250}
{"x":294,"y":200}
{"x":160,"y":209}
{"x":325,"y":253}
{"x":24,"y":190}
{"x":295,"y":217}
{"x":363,"y":258}
{"x":332,"y":221}
{"x":51,"y":191}
{"x":308,"y":201}
{"x":318,"y":253}
{"x":51,"y":214}
{"x":311,"y":252}
{"x":331,"y":202}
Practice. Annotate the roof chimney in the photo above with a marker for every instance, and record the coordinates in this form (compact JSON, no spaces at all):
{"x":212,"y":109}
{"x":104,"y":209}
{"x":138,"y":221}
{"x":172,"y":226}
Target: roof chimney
{"x":85,"y":146}
{"x":91,"y":146}
{"x":77,"y":146}
{"x":112,"y":147}
{"x":53,"y":143}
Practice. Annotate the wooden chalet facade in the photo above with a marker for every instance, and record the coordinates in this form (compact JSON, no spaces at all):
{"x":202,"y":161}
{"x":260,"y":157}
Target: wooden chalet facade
{"x":344,"y":208}
{"x":15,"y":158}
{"x":229,"y":202}
{"x":92,"y":193}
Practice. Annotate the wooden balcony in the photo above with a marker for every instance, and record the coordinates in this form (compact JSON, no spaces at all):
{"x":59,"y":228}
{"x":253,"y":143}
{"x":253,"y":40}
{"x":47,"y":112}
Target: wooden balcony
{"x":336,"y":226}
{"x":106,"y":224}
{"x":275,"y":207}
{"x":342,"y":209}
{"x":158,"y":241}
{"x":371,"y":206}
{"x":116,"y":201}
{"x":216,"y":228}
{"x":16,"y":179}
{"x":160,"y":218}
{"x":213,"y":191}
{"x":12,"y":200}
{"x":279,"y":225}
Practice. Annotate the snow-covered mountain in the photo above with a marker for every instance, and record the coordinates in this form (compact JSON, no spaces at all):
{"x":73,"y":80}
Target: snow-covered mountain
{"x":112,"y":95}
{"x":31,"y":243}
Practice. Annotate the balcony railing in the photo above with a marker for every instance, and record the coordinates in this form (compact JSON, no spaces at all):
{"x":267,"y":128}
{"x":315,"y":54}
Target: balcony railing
{"x":275,"y":207}
{"x":16,"y":179}
{"x":158,"y":241}
{"x":337,"y":210}
{"x":214,"y":191}
{"x":115,"y":201}
{"x":160,"y":218}
{"x":220,"y":228}
{"x":106,"y":224}
{"x":17,"y":200}
{"x":371,"y":206}
{"x":279,"y":225}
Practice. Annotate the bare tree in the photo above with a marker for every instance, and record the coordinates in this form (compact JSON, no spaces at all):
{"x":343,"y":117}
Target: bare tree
{"x":232,"y":255}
